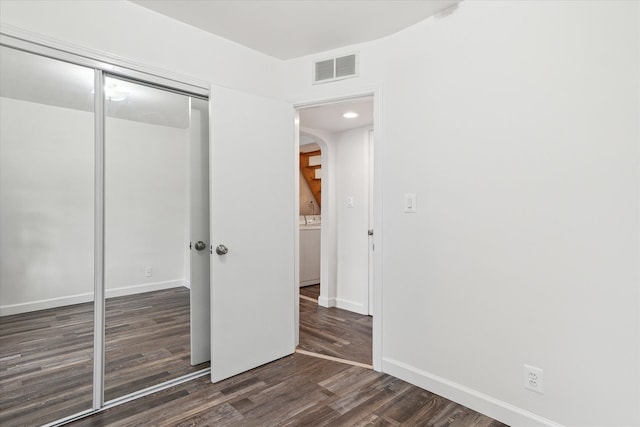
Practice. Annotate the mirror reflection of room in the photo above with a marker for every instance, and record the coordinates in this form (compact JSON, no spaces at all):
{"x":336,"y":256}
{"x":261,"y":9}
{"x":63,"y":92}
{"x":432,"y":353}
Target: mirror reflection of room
{"x":155,"y":152}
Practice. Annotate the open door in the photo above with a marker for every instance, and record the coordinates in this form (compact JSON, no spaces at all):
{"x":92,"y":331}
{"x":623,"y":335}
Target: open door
{"x":199,"y":254}
{"x":252,"y":231}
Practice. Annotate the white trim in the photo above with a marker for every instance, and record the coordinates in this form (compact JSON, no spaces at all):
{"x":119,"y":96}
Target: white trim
{"x":310,"y":282}
{"x":41,"y":44}
{"x":378,"y":285}
{"x":356,"y":307}
{"x":144,"y":287}
{"x":326,"y":302}
{"x":7,"y":310}
{"x":98,"y":242}
{"x":333,"y":359}
{"x":130,"y":397}
{"x":480,"y":402}
{"x":306,"y":298}
{"x":296,"y":228}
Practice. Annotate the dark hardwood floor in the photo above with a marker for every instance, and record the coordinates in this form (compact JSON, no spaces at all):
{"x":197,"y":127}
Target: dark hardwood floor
{"x":46,"y":365}
{"x":333,"y":331}
{"x":147,"y":341}
{"x":297,"y":390}
{"x":46,"y":357}
{"x":312,"y":291}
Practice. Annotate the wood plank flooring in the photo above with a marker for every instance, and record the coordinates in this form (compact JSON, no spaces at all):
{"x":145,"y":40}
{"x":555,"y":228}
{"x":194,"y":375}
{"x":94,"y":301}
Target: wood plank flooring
{"x":297,"y":390}
{"x":46,"y":357}
{"x":312,"y":291}
{"x":46,"y":365}
{"x":333,"y":331}
{"x":147,"y":341}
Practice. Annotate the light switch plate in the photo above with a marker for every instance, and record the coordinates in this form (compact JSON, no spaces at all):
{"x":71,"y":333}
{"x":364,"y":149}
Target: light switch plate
{"x":350,"y":202}
{"x":410,"y":203}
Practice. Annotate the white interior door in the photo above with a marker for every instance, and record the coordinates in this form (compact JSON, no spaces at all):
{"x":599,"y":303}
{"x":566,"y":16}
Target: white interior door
{"x":199,"y":257}
{"x":253,"y":216}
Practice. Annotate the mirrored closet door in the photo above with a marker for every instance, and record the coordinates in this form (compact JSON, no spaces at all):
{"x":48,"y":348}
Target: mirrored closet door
{"x":104,"y":234}
{"x":46,"y":238}
{"x":149,"y":133}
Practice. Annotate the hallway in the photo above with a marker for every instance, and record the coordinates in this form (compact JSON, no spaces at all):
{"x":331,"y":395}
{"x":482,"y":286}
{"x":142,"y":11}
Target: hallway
{"x":333,"y":331}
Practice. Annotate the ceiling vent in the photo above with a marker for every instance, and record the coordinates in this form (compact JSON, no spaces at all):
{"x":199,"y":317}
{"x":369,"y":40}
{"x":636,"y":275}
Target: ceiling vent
{"x":329,"y":70}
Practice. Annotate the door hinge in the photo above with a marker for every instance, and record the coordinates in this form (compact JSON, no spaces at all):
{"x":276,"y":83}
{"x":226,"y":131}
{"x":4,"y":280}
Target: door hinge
{"x":370,"y":232}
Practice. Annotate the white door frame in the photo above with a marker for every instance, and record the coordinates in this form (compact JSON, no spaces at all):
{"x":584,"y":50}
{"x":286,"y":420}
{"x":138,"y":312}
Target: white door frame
{"x":376,"y":311}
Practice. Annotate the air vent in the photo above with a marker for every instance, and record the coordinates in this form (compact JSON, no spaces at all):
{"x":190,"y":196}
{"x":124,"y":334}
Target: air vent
{"x":325,"y":70}
{"x":329,"y":70}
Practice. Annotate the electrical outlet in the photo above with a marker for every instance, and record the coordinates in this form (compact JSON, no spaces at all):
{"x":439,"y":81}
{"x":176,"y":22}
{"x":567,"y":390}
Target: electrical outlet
{"x":148,"y":272}
{"x":534,"y":379}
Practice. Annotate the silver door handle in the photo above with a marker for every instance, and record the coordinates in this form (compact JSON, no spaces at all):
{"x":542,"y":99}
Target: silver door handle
{"x":200,"y":245}
{"x":221,"y":249}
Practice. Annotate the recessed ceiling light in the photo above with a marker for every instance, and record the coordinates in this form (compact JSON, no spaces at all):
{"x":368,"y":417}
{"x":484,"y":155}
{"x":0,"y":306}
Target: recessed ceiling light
{"x":350,"y":115}
{"x":114,"y":93}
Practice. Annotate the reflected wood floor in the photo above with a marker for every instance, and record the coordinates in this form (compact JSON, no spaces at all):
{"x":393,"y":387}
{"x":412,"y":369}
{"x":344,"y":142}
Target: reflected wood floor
{"x":147,"y":341}
{"x":333,"y":331}
{"x":46,"y":357}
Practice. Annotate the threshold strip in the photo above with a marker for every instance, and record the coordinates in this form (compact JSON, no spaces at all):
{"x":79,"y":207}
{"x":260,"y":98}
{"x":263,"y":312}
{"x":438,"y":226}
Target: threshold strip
{"x":333,"y":359}
{"x":306,"y":298}
{"x":130,"y":397}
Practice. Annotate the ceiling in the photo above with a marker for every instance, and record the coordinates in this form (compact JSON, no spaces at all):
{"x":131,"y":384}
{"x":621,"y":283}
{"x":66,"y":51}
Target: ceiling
{"x":329,"y":117}
{"x":294,"y":28}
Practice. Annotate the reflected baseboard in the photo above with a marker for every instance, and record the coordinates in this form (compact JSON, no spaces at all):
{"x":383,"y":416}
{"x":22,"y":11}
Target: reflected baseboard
{"x":7,"y":310}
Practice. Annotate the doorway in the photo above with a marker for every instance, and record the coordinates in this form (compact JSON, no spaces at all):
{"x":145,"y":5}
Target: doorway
{"x":343,"y":133}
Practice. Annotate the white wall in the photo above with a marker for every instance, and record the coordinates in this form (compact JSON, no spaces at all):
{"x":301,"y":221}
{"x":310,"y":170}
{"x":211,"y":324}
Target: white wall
{"x":46,"y":197}
{"x":130,"y":31}
{"x":46,"y":205}
{"x":146,"y":205}
{"x":352,"y":251}
{"x":516,"y":124}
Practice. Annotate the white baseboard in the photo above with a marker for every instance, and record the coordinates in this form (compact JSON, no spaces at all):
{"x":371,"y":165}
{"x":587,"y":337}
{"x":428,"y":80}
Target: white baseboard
{"x":7,"y":310}
{"x":309,"y":282}
{"x":144,"y":287}
{"x":356,"y":307}
{"x":480,"y":402}
{"x":326,"y":302}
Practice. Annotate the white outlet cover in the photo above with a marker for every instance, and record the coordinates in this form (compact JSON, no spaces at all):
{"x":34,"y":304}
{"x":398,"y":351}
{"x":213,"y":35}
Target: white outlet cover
{"x":534,"y":379}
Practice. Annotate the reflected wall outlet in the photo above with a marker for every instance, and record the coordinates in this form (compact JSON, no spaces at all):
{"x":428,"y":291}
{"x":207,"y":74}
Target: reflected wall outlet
{"x":534,"y":379}
{"x":148,"y":272}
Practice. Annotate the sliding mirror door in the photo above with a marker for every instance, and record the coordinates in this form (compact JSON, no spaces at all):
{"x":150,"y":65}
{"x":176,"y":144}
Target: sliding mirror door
{"x":46,"y":238}
{"x":148,"y":136}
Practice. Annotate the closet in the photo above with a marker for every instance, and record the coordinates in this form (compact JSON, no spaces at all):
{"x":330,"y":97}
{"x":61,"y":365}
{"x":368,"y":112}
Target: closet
{"x":103,"y":197}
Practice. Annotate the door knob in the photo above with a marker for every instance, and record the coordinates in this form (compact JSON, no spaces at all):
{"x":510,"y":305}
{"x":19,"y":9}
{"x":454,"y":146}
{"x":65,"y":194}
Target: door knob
{"x":221,"y":249}
{"x":200,"y":245}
